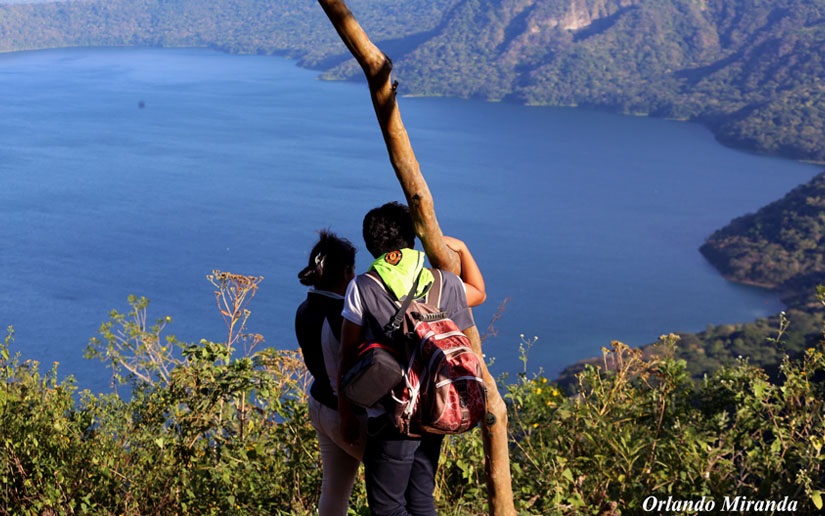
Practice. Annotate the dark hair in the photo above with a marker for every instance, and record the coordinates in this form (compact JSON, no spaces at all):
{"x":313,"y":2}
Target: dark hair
{"x":329,"y":260}
{"x":387,"y":228}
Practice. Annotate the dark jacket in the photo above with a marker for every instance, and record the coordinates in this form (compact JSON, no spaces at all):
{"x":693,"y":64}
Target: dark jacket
{"x":318,"y":308}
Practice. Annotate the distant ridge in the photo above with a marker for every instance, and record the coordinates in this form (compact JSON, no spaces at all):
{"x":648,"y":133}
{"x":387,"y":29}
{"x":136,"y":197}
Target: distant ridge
{"x":750,"y":70}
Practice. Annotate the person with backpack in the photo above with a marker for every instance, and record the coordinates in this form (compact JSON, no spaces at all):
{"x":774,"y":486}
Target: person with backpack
{"x":318,"y":329}
{"x":399,"y":467}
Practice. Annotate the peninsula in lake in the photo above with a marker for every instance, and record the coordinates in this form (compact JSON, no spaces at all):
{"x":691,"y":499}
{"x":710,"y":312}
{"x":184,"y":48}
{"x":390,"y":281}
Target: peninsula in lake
{"x":780,"y":247}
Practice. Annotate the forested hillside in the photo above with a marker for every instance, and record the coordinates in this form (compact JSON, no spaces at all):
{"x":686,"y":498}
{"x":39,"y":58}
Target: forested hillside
{"x":292,"y":27}
{"x":751,"y":70}
{"x":780,"y":246}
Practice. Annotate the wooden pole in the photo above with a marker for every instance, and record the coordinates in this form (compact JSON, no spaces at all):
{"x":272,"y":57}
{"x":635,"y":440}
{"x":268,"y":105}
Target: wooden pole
{"x":378,"y":70}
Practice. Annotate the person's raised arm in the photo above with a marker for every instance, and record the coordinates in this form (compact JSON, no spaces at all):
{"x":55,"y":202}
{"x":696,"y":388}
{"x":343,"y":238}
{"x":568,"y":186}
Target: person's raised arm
{"x":470,"y":273}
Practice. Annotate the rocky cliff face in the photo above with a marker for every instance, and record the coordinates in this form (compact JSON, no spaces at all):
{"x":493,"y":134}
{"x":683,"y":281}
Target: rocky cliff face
{"x":581,"y":14}
{"x":547,"y":21}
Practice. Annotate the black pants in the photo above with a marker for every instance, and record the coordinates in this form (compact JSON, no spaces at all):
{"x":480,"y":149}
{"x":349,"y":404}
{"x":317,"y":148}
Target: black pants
{"x":400,"y":471}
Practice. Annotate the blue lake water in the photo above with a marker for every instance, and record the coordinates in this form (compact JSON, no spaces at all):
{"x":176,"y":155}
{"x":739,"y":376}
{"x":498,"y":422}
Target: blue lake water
{"x":139,"y":171}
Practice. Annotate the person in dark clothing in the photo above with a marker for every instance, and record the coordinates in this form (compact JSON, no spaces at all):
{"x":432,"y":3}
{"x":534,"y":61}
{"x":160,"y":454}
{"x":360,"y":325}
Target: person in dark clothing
{"x":318,"y":329}
{"x":399,"y":470}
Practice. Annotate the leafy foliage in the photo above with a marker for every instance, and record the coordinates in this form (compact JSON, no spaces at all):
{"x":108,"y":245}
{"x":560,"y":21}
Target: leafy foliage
{"x":643,"y":428}
{"x":227,"y":432}
{"x":207,"y":432}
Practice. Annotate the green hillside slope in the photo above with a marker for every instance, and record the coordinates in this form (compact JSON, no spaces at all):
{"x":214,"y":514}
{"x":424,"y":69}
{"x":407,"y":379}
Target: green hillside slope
{"x":752,"y":71}
{"x":780,"y":246}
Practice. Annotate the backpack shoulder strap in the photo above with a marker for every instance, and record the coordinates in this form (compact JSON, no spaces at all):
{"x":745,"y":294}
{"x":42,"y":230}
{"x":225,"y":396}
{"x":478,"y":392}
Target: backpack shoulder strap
{"x":374,"y":276}
{"x":397,"y":320}
{"x":433,"y":297}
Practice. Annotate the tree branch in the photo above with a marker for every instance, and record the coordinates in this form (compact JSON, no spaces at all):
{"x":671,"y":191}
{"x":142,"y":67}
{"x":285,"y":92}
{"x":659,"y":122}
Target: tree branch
{"x":378,"y":69}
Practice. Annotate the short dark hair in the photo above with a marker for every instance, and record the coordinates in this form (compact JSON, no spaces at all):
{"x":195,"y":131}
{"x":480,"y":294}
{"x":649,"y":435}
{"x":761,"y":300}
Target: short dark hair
{"x":387,"y":228}
{"x":329,"y":261}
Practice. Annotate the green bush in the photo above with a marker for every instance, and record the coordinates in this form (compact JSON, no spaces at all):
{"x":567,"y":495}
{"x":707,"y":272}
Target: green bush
{"x":210,"y":429}
{"x":644,"y":429}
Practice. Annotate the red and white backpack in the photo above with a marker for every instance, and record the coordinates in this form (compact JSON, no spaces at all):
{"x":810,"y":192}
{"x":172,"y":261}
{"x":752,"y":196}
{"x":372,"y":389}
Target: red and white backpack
{"x":442,"y":391}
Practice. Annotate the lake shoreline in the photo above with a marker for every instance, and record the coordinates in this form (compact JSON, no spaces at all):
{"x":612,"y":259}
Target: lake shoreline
{"x":739,"y":145}
{"x":235,"y":163}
